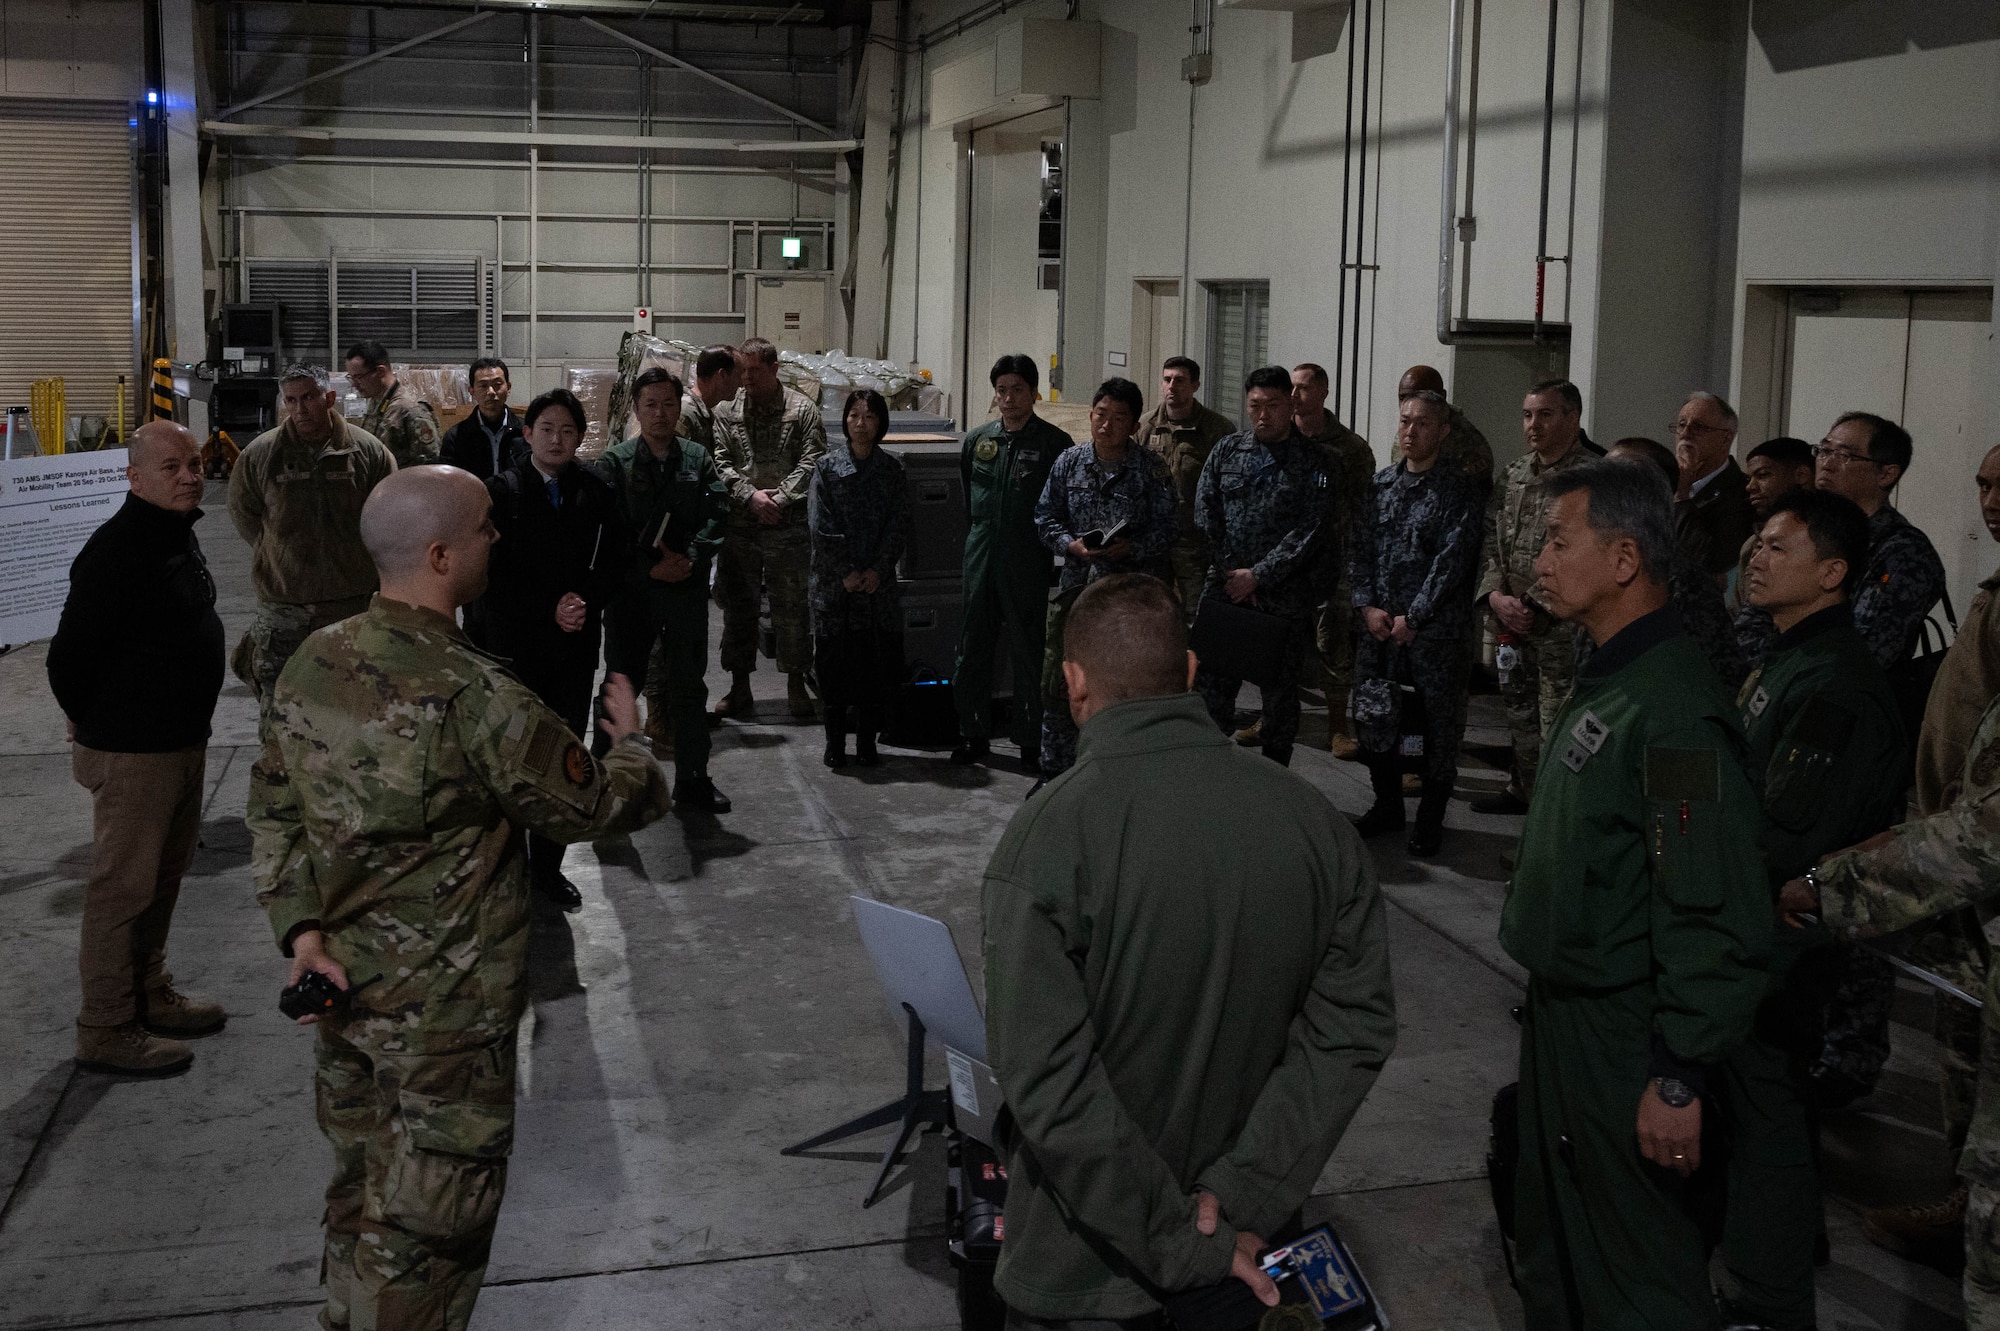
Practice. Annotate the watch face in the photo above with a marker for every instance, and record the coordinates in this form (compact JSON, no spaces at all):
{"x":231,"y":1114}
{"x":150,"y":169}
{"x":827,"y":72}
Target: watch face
{"x":1677,"y":1094}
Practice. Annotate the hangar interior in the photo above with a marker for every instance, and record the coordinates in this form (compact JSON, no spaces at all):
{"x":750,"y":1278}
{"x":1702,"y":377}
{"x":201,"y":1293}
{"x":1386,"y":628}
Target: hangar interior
{"x":1792,"y":203}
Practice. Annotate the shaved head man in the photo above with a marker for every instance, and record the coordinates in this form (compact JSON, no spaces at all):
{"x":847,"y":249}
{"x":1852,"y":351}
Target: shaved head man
{"x":1120,"y":1115}
{"x":136,"y":664}
{"x":429,"y":531}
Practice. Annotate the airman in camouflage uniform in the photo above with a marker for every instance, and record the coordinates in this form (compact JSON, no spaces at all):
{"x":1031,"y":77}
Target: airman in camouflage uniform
{"x":1536,"y":675}
{"x":1353,"y":466}
{"x":1926,"y":869}
{"x":1082,"y":495}
{"x":405,"y":425}
{"x":1182,"y":434}
{"x":1263,"y":504}
{"x":295,"y":495}
{"x":387,"y":809}
{"x":767,"y":441}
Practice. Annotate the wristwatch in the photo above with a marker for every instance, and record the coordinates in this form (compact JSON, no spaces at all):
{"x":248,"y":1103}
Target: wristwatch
{"x":1677,"y":1093}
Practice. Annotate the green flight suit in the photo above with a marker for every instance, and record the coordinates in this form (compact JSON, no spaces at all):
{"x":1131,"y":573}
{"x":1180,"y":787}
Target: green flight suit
{"x":685,"y":491}
{"x":1006,"y":586}
{"x":1173,"y":1002}
{"x":1640,"y":910}
{"x":1932,"y":868}
{"x":399,"y":769}
{"x":1823,"y":727}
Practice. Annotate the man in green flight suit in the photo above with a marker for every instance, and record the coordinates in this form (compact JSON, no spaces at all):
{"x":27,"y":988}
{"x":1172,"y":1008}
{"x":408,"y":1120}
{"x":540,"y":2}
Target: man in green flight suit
{"x":400,"y":769}
{"x":672,"y":497}
{"x":1005,"y":464}
{"x":1165,"y":1125}
{"x":1826,"y":737}
{"x":1641,"y":913}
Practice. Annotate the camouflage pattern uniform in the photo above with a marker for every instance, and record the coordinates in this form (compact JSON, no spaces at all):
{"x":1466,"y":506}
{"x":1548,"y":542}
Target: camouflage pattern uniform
{"x":698,"y":424}
{"x":405,"y":425}
{"x":1082,"y":496}
{"x":761,"y":447}
{"x":1265,"y":508}
{"x":1414,"y":554}
{"x":299,"y":507}
{"x":1935,"y":867}
{"x":1335,"y":628}
{"x":1184,"y":447}
{"x":697,"y":421}
{"x":1466,"y":449}
{"x":1516,"y":517}
{"x":387,"y":811}
{"x":1903,"y":580}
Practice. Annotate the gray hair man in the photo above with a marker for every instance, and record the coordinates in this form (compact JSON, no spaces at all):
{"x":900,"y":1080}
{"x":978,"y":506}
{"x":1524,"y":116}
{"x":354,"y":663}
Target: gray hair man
{"x":136,"y":664}
{"x":1712,"y":514}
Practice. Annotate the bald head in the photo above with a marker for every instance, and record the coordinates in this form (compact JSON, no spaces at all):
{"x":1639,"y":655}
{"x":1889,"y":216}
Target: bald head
{"x":1419,"y":379}
{"x":418,"y":515}
{"x":163,"y":466}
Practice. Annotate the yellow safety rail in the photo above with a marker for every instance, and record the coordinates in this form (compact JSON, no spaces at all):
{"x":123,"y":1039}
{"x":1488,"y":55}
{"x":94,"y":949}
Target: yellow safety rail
{"x":48,"y":412}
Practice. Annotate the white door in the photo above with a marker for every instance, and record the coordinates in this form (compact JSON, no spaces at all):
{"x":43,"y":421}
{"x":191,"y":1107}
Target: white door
{"x":791,"y":312}
{"x":1916,"y":358}
{"x":1156,"y":332}
{"x":1006,"y":310}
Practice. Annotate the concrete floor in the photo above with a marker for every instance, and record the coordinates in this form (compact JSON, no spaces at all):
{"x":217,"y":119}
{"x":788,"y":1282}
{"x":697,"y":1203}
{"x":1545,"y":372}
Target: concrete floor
{"x":726,"y":1009}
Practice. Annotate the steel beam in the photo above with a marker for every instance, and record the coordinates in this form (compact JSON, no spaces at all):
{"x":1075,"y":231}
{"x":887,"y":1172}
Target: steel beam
{"x":358,"y":63}
{"x":696,"y":70}
{"x":664,"y":9}
{"x":545,"y":139}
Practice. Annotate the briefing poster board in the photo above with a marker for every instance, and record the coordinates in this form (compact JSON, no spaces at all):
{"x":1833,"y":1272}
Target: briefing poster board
{"x":48,"y":509}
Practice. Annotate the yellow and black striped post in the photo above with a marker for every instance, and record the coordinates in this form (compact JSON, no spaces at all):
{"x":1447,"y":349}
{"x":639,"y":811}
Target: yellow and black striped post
{"x":163,"y":390}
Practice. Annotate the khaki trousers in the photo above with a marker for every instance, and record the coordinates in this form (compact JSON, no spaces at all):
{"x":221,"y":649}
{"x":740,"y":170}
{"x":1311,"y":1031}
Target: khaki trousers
{"x":145,"y":815}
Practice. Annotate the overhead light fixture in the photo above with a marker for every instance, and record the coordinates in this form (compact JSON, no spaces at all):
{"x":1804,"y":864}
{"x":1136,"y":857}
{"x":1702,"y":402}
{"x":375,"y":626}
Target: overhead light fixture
{"x":793,"y":247}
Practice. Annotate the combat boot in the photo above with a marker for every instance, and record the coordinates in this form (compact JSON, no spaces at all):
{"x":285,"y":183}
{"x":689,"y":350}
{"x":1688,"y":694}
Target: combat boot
{"x":1252,"y":735}
{"x":697,"y":794}
{"x":796,"y":696}
{"x":1387,"y":814}
{"x":1428,"y":835}
{"x":165,"y":1010}
{"x":1340,"y":739}
{"x":864,"y":737}
{"x":659,"y":726}
{"x":1933,"y":1234}
{"x":836,"y":736}
{"x":738,"y":702}
{"x":130,"y":1050}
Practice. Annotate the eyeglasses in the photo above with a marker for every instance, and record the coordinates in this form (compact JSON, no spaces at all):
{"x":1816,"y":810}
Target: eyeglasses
{"x":1837,"y":457}
{"x":1696,"y":428}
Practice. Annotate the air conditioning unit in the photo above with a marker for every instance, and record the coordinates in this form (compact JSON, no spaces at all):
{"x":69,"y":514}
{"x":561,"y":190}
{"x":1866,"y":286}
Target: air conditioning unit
{"x":1031,"y":64}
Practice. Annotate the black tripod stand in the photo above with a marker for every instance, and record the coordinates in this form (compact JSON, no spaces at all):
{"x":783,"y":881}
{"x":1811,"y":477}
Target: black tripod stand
{"x":917,"y":1108}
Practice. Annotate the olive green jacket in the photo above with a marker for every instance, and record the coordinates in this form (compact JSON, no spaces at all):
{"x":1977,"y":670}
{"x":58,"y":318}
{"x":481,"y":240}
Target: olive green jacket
{"x":1004,"y":476}
{"x":685,"y":484}
{"x":1824,"y":733}
{"x":1187,"y":986}
{"x":400,"y":767}
{"x":299,"y":507}
{"x":1640,"y":862}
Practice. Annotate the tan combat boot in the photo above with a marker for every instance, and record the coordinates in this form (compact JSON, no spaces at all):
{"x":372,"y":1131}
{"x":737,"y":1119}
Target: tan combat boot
{"x":1252,"y":735}
{"x":796,"y":696}
{"x":1933,"y":1235}
{"x":167,"y":1011}
{"x":659,"y":725}
{"x":1340,"y":730}
{"x":1413,"y":783}
{"x":738,"y":702}
{"x":129,"y":1050}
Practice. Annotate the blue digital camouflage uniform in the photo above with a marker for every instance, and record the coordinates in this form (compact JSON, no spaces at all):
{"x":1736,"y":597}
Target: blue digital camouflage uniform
{"x":1704,"y":618}
{"x":1903,"y":580}
{"x":1265,"y":507}
{"x":1933,"y":867}
{"x":1082,"y":496}
{"x":1822,"y":725}
{"x":405,"y":425}
{"x":1413,"y":553}
{"x":767,"y":446}
{"x":860,"y":522}
{"x":400,"y":769}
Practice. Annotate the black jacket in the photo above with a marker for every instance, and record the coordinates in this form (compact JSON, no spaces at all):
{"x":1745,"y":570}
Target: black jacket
{"x":542,"y":555}
{"x":466,"y":445}
{"x":136,"y":663}
{"x":1713,"y":524}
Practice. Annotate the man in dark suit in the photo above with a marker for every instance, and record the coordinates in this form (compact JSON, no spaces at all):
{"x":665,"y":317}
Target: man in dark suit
{"x":1712,"y":515}
{"x":490,"y":440}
